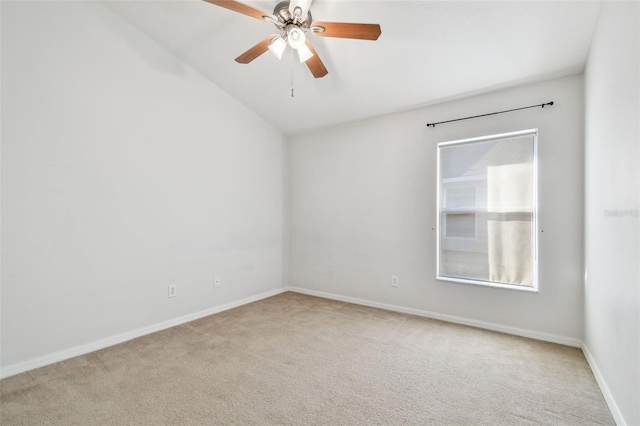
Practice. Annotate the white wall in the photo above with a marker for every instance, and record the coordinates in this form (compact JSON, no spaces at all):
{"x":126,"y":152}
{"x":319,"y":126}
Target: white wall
{"x":363,"y":208}
{"x":612,"y":176}
{"x":123,"y":171}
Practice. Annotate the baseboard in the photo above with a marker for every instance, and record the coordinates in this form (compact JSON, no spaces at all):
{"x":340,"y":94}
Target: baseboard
{"x":553,"y":338}
{"x":31,"y":364}
{"x":613,"y":407}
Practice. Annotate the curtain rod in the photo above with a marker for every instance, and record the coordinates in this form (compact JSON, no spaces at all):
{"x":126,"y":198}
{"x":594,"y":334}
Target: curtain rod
{"x":491,"y":113}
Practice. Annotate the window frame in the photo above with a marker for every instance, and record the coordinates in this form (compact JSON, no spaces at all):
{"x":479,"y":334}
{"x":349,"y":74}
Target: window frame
{"x":439,"y":209}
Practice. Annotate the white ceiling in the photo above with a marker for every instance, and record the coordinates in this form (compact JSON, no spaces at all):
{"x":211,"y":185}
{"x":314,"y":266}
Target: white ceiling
{"x":429,"y":51}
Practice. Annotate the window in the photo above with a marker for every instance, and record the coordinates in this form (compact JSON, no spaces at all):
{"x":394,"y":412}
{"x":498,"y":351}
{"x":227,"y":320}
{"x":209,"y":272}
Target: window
{"x":487,"y":210}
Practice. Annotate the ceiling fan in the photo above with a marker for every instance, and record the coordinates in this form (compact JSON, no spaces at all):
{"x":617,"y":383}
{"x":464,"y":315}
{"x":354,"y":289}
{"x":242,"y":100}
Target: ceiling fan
{"x":293,"y":20}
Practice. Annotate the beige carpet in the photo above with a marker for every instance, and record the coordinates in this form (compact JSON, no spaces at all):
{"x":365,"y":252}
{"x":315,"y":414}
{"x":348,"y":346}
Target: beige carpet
{"x":295,"y":359}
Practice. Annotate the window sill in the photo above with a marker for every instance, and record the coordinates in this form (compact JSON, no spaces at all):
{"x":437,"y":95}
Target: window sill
{"x":533,"y":289}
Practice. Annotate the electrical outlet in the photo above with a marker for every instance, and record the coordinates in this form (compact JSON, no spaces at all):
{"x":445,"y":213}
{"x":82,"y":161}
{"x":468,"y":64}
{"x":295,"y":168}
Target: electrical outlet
{"x":216,"y":281}
{"x":172,"y":290}
{"x":394,"y":281}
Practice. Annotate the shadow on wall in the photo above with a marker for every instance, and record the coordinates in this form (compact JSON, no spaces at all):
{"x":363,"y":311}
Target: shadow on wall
{"x":156,"y":58}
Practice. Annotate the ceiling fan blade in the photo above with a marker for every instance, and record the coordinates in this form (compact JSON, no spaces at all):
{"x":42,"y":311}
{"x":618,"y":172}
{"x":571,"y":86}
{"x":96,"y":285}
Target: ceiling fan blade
{"x":304,"y":5}
{"x":315,"y":64}
{"x":346,"y":30}
{"x":240,"y":8}
{"x":256,"y":50}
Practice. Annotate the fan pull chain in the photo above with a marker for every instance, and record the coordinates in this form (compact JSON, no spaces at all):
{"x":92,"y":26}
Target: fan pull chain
{"x":291,"y":75}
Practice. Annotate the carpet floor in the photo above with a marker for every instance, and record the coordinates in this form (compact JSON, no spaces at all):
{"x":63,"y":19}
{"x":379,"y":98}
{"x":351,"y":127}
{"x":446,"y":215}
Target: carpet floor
{"x":300,"y":360}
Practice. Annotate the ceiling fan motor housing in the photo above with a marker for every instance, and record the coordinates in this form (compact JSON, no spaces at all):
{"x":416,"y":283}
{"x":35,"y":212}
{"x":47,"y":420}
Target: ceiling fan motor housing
{"x":285,"y":18}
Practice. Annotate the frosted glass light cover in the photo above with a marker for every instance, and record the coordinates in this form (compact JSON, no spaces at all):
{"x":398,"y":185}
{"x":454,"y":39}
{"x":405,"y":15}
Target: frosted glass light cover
{"x":305,"y":53}
{"x":296,"y":37}
{"x":277,"y":47}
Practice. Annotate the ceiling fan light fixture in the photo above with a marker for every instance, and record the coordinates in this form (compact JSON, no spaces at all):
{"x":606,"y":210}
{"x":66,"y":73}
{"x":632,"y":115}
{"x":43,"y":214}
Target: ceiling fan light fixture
{"x":277,"y":47}
{"x":304,"y":53}
{"x":295,"y":37}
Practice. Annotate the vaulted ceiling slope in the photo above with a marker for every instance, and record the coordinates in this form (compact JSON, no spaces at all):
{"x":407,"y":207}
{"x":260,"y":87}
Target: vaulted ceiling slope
{"x":429,"y":52}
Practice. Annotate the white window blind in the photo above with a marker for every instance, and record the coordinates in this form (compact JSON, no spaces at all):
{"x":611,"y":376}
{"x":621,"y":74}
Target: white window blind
{"x":487,"y":208}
